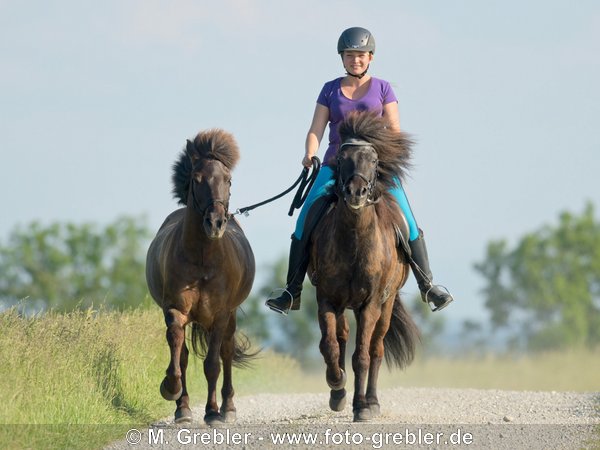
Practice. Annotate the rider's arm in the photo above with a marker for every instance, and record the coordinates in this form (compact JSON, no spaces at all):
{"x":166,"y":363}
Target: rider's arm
{"x":315,"y":133}
{"x":391,"y":114}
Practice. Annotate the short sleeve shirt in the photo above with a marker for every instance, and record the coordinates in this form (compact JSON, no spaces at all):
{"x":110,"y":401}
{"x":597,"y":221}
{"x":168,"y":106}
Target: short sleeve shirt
{"x":379,"y":93}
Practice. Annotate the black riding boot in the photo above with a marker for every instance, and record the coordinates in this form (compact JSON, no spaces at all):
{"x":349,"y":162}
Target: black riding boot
{"x":436,"y":297}
{"x":290,"y":297}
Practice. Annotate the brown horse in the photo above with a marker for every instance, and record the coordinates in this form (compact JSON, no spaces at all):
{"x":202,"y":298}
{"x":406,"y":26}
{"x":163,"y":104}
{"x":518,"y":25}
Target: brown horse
{"x":355,"y":262}
{"x":199,"y":269}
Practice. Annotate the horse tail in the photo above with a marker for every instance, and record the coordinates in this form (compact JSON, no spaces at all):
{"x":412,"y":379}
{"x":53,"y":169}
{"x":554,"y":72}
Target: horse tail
{"x":199,"y":339}
{"x":402,"y":337}
{"x":242,"y":356}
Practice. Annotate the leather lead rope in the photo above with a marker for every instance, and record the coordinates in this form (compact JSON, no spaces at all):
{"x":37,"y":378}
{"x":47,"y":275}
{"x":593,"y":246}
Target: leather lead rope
{"x":305,"y":181}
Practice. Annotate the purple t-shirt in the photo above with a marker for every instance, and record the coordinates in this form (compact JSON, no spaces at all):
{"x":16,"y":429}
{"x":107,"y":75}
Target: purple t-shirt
{"x":380,"y":93}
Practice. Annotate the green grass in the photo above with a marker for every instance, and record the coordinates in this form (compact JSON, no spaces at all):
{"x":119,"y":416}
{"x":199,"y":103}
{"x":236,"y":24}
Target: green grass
{"x":80,"y":380}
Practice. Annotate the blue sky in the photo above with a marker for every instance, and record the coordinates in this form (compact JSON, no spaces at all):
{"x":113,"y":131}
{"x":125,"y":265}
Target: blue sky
{"x":502,"y":98}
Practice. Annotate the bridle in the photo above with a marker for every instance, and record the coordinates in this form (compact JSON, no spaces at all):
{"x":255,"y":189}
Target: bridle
{"x":198,"y":205}
{"x":202,"y":211}
{"x":372,"y":181}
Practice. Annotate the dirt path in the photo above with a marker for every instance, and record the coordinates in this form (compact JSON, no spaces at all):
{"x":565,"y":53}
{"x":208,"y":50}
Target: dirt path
{"x":410,"y":418}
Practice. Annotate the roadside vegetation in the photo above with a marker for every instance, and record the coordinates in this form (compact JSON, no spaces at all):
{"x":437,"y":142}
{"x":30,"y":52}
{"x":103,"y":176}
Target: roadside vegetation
{"x":82,"y":379}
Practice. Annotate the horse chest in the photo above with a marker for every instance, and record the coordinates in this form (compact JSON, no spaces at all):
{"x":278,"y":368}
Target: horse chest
{"x":354,"y":269}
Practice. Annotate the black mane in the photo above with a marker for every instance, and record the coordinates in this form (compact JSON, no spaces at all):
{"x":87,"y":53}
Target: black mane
{"x":212,"y":144}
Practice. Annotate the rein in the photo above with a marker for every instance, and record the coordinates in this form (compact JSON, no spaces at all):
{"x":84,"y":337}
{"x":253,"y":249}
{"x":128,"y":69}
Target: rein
{"x":305,"y":181}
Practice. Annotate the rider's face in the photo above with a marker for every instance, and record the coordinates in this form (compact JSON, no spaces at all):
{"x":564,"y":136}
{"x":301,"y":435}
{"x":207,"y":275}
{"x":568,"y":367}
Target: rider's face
{"x":356,"y":62}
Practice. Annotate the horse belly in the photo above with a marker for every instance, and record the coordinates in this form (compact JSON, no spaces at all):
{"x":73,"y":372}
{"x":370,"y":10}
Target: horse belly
{"x":159,"y":258}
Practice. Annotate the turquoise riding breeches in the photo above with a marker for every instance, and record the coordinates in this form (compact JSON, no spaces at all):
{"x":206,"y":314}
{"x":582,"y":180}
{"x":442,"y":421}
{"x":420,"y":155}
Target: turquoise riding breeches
{"x":320,"y":187}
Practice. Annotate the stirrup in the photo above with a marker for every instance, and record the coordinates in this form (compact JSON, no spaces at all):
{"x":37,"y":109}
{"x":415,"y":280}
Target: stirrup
{"x":431,"y":304}
{"x":272,"y":298}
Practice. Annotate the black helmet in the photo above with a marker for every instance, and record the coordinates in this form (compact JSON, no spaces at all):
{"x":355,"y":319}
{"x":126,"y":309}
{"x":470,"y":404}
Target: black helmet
{"x":356,"y":38}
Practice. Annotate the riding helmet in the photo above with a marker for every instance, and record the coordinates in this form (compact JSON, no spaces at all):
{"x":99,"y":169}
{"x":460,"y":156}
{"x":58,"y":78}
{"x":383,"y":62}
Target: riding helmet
{"x":356,"y":38}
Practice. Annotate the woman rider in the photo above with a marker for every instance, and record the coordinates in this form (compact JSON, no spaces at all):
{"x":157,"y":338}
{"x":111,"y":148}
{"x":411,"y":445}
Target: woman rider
{"x":355,"y":91}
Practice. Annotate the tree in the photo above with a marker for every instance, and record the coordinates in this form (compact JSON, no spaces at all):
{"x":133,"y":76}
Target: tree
{"x":65,"y":265}
{"x":547,"y":288}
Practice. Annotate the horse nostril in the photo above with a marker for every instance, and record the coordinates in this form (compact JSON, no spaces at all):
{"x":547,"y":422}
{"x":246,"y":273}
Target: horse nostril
{"x":363,"y":191}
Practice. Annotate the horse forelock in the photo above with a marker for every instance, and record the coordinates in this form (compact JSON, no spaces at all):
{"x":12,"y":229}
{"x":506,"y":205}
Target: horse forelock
{"x":217,"y":144}
{"x":393,"y":148}
{"x":211,"y":144}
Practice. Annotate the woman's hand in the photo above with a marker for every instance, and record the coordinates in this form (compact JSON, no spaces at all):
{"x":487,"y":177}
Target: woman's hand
{"x":307,"y":161}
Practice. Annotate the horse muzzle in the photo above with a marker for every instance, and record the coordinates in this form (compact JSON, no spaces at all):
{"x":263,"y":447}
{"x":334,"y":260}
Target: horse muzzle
{"x":215,"y":221}
{"x":356,"y":192}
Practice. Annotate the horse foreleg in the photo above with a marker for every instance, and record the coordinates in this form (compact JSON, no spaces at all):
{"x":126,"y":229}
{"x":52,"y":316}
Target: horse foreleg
{"x":171,"y":387}
{"x":365,"y":320}
{"x":228,"y":411}
{"x":337,"y":398}
{"x":183,"y":413}
{"x":376,"y":356}
{"x":330,"y":349}
{"x":212,"y":369}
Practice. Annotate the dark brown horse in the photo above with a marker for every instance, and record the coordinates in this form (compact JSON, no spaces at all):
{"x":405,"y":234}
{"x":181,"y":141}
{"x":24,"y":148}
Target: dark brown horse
{"x":355,"y":262}
{"x":199,"y":269}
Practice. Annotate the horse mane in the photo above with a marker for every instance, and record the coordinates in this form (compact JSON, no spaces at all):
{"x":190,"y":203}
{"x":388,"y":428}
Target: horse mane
{"x":393,"y":147}
{"x":211,"y":144}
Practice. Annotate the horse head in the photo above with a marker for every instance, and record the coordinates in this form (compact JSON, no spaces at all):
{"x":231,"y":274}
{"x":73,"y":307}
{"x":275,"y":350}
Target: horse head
{"x":210,"y":187}
{"x":357,"y":164}
{"x":372,"y":158}
{"x":202,"y":178}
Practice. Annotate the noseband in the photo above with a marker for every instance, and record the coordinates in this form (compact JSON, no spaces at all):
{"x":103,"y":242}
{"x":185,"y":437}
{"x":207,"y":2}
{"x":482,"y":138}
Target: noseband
{"x":202,"y":211}
{"x":198,"y":205}
{"x":370,"y":182}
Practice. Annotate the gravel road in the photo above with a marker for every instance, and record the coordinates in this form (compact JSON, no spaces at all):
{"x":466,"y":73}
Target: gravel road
{"x":410,"y":418}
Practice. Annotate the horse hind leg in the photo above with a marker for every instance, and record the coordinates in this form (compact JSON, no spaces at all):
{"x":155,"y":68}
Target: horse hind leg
{"x":337,"y":398}
{"x":171,"y":387}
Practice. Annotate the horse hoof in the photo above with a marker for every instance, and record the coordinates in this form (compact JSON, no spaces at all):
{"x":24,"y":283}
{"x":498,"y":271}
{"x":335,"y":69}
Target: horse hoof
{"x":168,"y":395}
{"x":183,"y":415}
{"x":213,"y":418}
{"x":375,"y":410}
{"x":362,"y":415}
{"x":337,"y":400}
{"x":228,"y":416}
{"x":340,"y":385}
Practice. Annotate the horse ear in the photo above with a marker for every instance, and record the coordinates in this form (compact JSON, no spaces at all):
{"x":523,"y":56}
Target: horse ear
{"x":190,"y":149}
